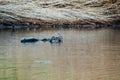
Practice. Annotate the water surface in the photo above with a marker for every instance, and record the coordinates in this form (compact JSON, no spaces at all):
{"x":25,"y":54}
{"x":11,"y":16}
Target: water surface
{"x":83,"y":55}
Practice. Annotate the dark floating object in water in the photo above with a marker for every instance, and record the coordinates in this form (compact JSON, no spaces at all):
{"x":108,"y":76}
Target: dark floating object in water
{"x":57,"y":38}
{"x":29,"y":40}
{"x":45,"y":39}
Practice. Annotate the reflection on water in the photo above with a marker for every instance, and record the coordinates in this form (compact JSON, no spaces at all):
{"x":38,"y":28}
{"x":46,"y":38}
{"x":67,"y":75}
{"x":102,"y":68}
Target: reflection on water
{"x":83,"y":55}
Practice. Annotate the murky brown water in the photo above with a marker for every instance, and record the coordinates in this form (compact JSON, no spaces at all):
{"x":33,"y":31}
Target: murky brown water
{"x":83,"y":55}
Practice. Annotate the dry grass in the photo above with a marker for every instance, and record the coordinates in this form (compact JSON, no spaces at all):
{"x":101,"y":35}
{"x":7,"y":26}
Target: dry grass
{"x":61,"y":11}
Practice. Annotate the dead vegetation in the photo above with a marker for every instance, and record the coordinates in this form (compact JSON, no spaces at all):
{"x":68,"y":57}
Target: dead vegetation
{"x":60,"y":11}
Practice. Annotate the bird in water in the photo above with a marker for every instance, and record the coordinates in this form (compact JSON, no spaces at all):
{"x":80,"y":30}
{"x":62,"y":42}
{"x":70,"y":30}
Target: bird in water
{"x":56,"y":38}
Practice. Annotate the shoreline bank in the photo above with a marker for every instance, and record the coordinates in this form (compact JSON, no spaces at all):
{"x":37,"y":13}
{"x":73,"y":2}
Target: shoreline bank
{"x":62,"y":13}
{"x":24,"y":25}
